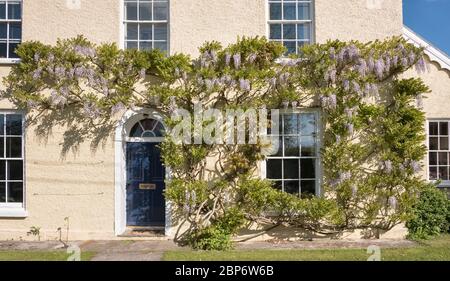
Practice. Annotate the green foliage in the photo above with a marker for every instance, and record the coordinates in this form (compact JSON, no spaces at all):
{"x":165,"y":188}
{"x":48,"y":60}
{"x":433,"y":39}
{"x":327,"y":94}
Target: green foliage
{"x":372,"y":124}
{"x":430,"y":214}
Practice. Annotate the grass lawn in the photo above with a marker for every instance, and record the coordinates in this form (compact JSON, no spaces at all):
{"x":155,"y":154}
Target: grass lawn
{"x":432,"y":250}
{"x":40,"y":256}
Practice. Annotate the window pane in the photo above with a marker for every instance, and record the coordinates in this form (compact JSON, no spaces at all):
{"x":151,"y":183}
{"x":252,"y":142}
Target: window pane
{"x":160,"y":10}
{"x":12,"y":50}
{"x":15,"y":170}
{"x":3,"y":50}
{"x":291,"y":47}
{"x":308,"y":146}
{"x":145,"y":31}
{"x":131,"y":11}
{"x":290,"y":169}
{"x":308,"y":169}
{"x":443,"y":158}
{"x":433,"y":173}
{"x":433,"y":158}
{"x":280,"y":146}
{"x":307,"y":124}
{"x":292,"y":187}
{"x":278,"y":185}
{"x":303,"y":31}
{"x":15,"y":192}
{"x":288,"y":31}
{"x":292,"y":146}
{"x":308,"y":189}
{"x":289,"y":11}
{"x":2,"y":10}
{"x":160,"y":32}
{"x":433,"y":128}
{"x":131,"y":45}
{"x":14,"y":11}
{"x":2,"y":147}
{"x":273,"y":169}
{"x":161,"y":46}
{"x":145,"y":46}
{"x":132,"y":31}
{"x":443,"y":143}
{"x":443,"y":128}
{"x":275,"y":31}
{"x":2,"y":170}
{"x":434,"y":143}
{"x":275,"y":11}
{"x":15,"y":31}
{"x":14,"y":124}
{"x":2,"y":192}
{"x":2,"y":120}
{"x":443,"y":173}
{"x":145,"y":11}
{"x":290,"y":124}
{"x":3,"y":30}
{"x":14,"y":147}
{"x":303,"y":11}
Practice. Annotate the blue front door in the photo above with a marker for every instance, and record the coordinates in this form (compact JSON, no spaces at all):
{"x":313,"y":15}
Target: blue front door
{"x":145,"y":185}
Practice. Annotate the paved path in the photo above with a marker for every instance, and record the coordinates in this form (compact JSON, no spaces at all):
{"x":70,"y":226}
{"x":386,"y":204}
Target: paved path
{"x":128,"y":250}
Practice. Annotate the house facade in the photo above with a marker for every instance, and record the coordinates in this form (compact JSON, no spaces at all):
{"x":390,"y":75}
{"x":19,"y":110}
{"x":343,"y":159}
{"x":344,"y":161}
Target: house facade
{"x":102,"y":194}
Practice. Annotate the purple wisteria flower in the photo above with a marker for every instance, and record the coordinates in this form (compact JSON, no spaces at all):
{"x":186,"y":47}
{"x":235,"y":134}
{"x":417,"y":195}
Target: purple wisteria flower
{"x":419,"y":101}
{"x":415,"y":166}
{"x":421,"y":65}
{"x":142,"y":73}
{"x":91,"y":111}
{"x":117,"y":108}
{"x":209,"y":84}
{"x":37,"y":73}
{"x":57,"y":99}
{"x":60,"y":72}
{"x":392,"y":202}
{"x":237,"y":61}
{"x":362,"y":67}
{"x":412,"y":58}
{"x":37,"y":57}
{"x":244,"y":85}
{"x":379,"y":68}
{"x":357,"y":88}
{"x":346,"y":85}
{"x":395,"y":61}
{"x":227,"y":59}
{"x":405,"y":62}
{"x":349,"y":112}
{"x":332,"y":52}
{"x":350,"y":128}
{"x":388,"y":166}
{"x":273,"y":82}
{"x":371,"y":64}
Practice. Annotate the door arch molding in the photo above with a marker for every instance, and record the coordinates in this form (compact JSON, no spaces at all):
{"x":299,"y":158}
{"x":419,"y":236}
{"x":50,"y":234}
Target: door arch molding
{"x":122,"y":136}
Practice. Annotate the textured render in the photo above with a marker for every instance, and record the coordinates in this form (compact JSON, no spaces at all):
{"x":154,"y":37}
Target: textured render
{"x":192,"y":22}
{"x":81,"y":186}
{"x":48,"y":20}
{"x":363,"y":20}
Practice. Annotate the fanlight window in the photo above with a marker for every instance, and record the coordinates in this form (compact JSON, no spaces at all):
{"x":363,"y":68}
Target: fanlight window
{"x":147,"y":128}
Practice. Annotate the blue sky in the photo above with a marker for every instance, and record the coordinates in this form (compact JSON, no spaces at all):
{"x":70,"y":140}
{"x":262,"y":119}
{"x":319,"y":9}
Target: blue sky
{"x":430,"y":19}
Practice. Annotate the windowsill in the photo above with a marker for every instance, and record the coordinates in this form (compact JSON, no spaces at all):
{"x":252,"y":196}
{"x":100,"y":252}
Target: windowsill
{"x":6,"y":61}
{"x":8,"y":212}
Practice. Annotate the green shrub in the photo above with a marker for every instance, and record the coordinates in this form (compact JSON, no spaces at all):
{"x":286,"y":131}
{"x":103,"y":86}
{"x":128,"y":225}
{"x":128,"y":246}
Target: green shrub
{"x":217,"y":236}
{"x":430,"y":214}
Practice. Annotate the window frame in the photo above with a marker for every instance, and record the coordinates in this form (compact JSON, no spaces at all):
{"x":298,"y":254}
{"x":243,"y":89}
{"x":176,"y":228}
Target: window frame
{"x":124,"y":21}
{"x":15,"y":209}
{"x":8,"y":59}
{"x":318,"y":136}
{"x":443,"y":183}
{"x":311,"y":21}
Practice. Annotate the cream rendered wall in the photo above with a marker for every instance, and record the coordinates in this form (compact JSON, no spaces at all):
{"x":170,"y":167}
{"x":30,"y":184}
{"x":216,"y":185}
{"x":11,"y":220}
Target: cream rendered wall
{"x":81,"y":186}
{"x":362,"y":20}
{"x":48,"y":20}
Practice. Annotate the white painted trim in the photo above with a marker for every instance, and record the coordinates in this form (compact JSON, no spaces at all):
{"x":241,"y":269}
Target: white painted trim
{"x":13,"y":212}
{"x":123,"y":128}
{"x":433,"y":53}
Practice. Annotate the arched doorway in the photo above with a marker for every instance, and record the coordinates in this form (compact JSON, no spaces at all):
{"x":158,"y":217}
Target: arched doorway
{"x":139,"y":173}
{"x":145,"y":204}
